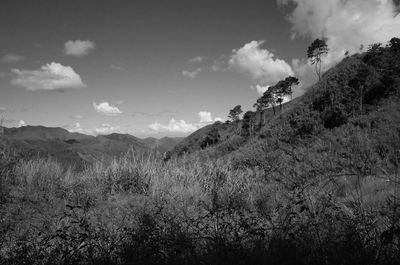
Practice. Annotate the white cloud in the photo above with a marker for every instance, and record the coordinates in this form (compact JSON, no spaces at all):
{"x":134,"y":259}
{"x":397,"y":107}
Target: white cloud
{"x":12,"y":58}
{"x":103,"y":129}
{"x":78,"y":47}
{"x":21,"y":123}
{"x":197,"y":59}
{"x":192,"y":74}
{"x":52,"y":76}
{"x":106,"y":109}
{"x":260,"y":89}
{"x":260,"y":64}
{"x":106,"y":129}
{"x":205,"y":116}
{"x":176,"y":126}
{"x":345,"y":24}
{"x":180,"y":126}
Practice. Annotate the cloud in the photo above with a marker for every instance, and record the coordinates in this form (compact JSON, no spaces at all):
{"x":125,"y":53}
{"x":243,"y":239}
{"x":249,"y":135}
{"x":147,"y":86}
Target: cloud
{"x":78,"y":47}
{"x":220,"y":64}
{"x":12,"y":58}
{"x":260,"y":64}
{"x":52,"y":76}
{"x":106,"y":109}
{"x":103,"y":129}
{"x":197,"y":59}
{"x":106,"y":129}
{"x":205,"y":116}
{"x":176,"y":126}
{"x":180,"y":126}
{"x":192,"y":74}
{"x":260,"y":89}
{"x":21,"y":123}
{"x":345,"y":24}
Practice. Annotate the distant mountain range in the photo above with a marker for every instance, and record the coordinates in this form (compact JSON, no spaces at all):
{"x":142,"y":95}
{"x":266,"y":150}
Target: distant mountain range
{"x":78,"y":149}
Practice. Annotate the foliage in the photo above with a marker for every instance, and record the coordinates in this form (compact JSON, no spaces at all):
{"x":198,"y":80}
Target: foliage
{"x":315,"y":51}
{"x":235,"y":113}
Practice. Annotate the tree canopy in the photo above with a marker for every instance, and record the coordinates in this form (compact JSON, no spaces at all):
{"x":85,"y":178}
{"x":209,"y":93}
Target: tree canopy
{"x":235,"y":113}
{"x":315,"y":51}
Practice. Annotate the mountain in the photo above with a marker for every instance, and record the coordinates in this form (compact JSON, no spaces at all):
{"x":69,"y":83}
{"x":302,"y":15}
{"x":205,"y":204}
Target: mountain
{"x":162,"y":145}
{"x":77,"y":149}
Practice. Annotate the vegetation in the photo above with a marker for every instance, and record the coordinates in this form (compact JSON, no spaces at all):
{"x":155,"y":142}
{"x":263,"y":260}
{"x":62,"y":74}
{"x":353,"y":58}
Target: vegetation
{"x":316,"y":184}
{"x":315,"y":51}
{"x":234,"y":114}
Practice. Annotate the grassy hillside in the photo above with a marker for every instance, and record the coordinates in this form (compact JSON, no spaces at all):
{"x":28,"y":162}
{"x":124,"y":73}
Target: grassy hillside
{"x":332,"y":102}
{"x":316,"y":184}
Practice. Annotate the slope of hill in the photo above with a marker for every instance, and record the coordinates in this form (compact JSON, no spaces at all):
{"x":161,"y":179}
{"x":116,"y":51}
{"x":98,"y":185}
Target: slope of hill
{"x":353,"y":88}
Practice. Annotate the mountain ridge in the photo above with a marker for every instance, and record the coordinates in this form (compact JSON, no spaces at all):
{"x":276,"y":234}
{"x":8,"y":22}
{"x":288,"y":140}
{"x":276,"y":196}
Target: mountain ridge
{"x":76,"y":149}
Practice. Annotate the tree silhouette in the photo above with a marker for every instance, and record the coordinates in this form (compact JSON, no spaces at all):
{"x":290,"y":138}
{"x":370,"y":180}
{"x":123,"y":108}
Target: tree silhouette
{"x":268,"y":99}
{"x":315,"y":51}
{"x":394,"y":44}
{"x":284,"y":88}
{"x":235,"y":112}
{"x":261,"y":104}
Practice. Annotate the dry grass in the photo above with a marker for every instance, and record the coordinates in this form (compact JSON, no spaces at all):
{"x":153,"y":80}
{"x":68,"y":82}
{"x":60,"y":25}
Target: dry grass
{"x":144,"y":210}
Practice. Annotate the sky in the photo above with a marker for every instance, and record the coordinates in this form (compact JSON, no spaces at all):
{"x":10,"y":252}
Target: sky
{"x":166,"y":68}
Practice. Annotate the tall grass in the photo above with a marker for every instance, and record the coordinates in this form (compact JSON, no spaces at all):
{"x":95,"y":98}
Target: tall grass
{"x":142,"y":210}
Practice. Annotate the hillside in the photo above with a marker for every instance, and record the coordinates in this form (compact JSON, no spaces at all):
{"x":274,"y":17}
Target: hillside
{"x":331,"y":103}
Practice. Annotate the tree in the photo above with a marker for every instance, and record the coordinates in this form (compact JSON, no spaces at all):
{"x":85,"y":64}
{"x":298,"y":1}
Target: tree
{"x":284,"y":88}
{"x":235,"y":113}
{"x":248,"y":122}
{"x":269,"y":97}
{"x":315,"y":51}
{"x":261,"y":104}
{"x":290,"y":82}
{"x":360,"y":83}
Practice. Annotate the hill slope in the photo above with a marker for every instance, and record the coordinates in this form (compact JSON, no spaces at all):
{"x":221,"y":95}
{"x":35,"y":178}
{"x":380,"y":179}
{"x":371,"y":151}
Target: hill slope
{"x":353,"y":89}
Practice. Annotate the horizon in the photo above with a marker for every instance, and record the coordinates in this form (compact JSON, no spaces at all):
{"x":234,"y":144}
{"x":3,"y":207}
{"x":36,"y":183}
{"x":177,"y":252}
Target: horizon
{"x":156,"y":69}
{"x":83,"y":133}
